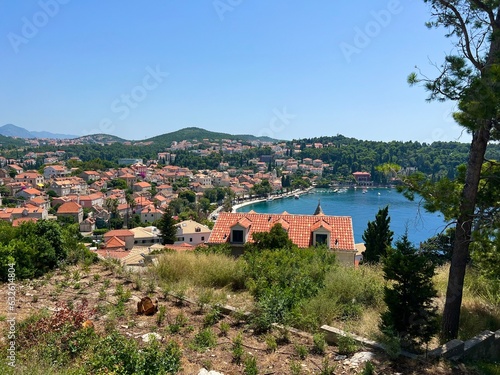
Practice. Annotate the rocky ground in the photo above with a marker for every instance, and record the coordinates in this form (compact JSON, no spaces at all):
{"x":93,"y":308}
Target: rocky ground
{"x":181,"y":321}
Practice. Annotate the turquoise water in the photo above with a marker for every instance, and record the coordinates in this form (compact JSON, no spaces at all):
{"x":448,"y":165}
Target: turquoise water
{"x":362,"y":208}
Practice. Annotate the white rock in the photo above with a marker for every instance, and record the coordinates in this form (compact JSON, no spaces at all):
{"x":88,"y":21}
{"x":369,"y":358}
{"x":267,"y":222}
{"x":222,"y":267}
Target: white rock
{"x":147,"y":336}
{"x":361,"y":357}
{"x":204,"y":371}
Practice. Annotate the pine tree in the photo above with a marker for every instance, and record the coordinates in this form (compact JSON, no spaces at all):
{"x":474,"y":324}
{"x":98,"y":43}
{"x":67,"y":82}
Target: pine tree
{"x":411,"y":314}
{"x":377,"y":237}
{"x":168,"y":228}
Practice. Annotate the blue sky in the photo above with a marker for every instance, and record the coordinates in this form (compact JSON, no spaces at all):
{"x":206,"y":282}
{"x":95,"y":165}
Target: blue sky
{"x":282,"y":68}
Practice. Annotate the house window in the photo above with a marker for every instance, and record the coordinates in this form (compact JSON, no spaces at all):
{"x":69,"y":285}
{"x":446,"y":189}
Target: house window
{"x":237,"y":236}
{"x":190,"y":240}
{"x":321,"y":239}
{"x":203,"y":238}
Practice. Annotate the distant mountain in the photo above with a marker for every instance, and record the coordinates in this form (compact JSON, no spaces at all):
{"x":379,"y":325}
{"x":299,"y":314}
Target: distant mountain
{"x":10,"y":130}
{"x":199,"y":134}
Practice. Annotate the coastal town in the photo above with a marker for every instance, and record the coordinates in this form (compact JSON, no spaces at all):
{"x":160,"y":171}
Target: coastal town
{"x":118,"y":209}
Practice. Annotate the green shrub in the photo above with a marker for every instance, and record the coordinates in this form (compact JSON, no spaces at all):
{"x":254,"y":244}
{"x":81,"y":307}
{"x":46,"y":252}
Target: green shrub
{"x":118,"y":354}
{"x":319,"y":343}
{"x":295,"y":368}
{"x":347,"y":345}
{"x":237,"y":349}
{"x":368,"y":369}
{"x":179,"y":322}
{"x":203,"y":340}
{"x":224,"y":328}
{"x":326,"y":369}
{"x":281,"y":280}
{"x":212,"y":317}
{"x":301,"y":351}
{"x":250,"y":366}
{"x":347,"y":294}
{"x":271,"y":343}
{"x":160,"y":317}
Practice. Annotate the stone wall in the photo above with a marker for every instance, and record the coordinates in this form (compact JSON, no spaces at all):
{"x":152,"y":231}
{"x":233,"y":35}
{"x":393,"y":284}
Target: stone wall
{"x":486,"y":345}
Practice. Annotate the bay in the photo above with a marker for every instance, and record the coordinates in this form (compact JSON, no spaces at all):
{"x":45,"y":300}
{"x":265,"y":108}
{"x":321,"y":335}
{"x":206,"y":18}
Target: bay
{"x":362,"y":207}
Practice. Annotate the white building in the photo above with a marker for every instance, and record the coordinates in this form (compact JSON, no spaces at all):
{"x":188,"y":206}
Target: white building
{"x":191,"y":232}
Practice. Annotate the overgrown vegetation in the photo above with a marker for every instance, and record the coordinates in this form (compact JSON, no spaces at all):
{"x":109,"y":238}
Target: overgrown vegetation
{"x":36,"y":248}
{"x":282,"y":279}
{"x":66,"y":342}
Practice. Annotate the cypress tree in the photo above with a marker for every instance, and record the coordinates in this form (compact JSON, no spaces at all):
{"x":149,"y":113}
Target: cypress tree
{"x":377,"y":236}
{"x":168,"y":228}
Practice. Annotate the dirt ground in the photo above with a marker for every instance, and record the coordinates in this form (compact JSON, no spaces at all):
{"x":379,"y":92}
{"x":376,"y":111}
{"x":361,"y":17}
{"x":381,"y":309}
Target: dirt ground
{"x":74,"y":285}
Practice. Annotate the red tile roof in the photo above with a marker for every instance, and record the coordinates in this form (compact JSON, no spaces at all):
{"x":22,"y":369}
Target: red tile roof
{"x":118,"y":233}
{"x":117,"y":254}
{"x":19,"y":221}
{"x":300,"y":227}
{"x":115,"y":243}
{"x":180,"y":247}
{"x":69,"y":208}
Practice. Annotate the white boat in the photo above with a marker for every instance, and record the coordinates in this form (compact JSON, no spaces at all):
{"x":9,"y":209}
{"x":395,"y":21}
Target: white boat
{"x":296,"y":196}
{"x":365,"y":191}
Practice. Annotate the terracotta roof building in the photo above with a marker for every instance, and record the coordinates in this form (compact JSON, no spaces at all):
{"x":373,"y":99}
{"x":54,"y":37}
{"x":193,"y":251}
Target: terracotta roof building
{"x":126,"y":236}
{"x":305,"y":231}
{"x":71,"y":209}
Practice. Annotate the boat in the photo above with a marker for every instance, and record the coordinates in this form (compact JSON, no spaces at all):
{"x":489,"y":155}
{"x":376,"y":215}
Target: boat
{"x":365,"y":191}
{"x":296,"y":196}
{"x":270,"y":199}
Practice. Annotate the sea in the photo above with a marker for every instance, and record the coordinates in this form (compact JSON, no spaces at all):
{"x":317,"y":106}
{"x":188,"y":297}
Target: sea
{"x":362,"y":205}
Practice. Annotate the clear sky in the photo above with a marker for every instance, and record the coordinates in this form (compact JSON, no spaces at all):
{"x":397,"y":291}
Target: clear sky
{"x":282,"y":68}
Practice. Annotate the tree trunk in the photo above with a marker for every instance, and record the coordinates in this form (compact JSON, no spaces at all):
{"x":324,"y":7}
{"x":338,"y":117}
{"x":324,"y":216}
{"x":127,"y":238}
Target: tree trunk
{"x":460,"y":255}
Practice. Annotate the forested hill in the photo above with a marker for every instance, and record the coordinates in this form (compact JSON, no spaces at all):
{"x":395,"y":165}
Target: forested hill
{"x":350,"y":154}
{"x":345,"y":155}
{"x":199,"y":134}
{"x":6,"y":142}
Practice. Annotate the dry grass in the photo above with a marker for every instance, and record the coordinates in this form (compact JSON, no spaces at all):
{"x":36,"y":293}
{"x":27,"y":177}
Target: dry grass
{"x":363,"y":282}
{"x":201,"y":270}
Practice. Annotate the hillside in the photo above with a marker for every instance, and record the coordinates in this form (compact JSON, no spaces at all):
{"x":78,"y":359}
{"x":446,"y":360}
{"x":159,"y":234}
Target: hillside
{"x":9,"y":141}
{"x":100,"y":138}
{"x":192,"y":335}
{"x":197,"y":133}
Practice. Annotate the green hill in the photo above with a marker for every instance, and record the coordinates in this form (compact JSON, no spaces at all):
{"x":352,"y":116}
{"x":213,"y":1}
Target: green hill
{"x":100,"y":138}
{"x":199,"y":134}
{"x":10,"y":141}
